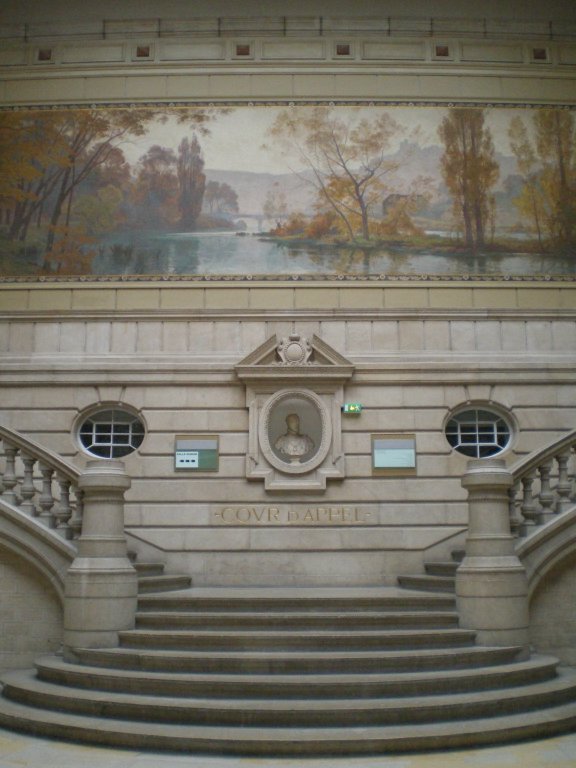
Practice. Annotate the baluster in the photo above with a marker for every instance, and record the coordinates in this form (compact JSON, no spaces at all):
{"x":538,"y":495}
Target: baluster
{"x":546,"y":497}
{"x":564,"y":486}
{"x":63,"y":510}
{"x":75,"y":523}
{"x":528,"y":506}
{"x":10,"y":480}
{"x":46,"y":500}
{"x":28,"y":490}
{"x":515,"y":516}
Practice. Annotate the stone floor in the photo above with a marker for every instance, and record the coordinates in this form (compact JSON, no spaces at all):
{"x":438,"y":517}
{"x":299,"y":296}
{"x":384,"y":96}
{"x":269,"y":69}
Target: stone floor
{"x":18,"y":751}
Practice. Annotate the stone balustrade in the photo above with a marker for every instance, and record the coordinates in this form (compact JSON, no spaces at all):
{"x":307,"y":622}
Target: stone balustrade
{"x":40,"y":483}
{"x":544,"y":486}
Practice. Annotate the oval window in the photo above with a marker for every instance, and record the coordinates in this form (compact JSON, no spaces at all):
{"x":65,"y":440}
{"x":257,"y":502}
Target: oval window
{"x":111,"y":433}
{"x":478,"y":432}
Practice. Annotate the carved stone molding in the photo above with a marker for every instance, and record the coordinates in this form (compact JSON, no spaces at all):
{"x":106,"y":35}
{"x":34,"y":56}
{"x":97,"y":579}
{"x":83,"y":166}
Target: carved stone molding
{"x":294,"y":392}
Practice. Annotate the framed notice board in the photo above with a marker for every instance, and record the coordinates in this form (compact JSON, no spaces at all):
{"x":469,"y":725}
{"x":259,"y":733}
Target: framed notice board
{"x":394,"y":454}
{"x":196,"y":453}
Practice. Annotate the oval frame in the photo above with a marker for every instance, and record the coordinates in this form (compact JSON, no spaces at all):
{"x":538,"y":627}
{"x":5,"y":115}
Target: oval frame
{"x":264,"y":431}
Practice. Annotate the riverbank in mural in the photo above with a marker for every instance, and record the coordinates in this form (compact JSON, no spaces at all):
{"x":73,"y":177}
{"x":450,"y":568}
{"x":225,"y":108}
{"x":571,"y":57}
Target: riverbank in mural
{"x":288,"y":190}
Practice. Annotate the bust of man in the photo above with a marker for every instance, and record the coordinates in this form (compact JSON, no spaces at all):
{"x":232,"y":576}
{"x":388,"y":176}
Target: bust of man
{"x":292,"y":444}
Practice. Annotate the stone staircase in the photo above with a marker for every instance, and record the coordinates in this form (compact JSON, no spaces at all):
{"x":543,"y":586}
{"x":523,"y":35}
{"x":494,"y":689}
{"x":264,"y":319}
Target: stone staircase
{"x":152,"y":577}
{"x":292,"y":672}
{"x":439,"y":576}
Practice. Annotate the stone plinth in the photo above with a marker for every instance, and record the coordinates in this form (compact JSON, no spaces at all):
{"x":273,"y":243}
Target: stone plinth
{"x":491,"y":584}
{"x":101,"y":585}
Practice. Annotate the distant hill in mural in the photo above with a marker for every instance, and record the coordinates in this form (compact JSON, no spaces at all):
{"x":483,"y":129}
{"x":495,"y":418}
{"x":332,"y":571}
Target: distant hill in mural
{"x":253,"y":188}
{"x":415,"y":162}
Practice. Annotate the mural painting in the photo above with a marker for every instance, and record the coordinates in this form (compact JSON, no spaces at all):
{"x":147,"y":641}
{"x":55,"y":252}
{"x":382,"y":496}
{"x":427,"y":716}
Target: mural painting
{"x":288,"y":191}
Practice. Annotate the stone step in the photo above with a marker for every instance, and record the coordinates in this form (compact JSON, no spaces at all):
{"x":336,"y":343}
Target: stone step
{"x":149,"y":569}
{"x":296,"y":639}
{"x":287,"y":741}
{"x":23,"y":687}
{"x":458,"y":555}
{"x":296,"y":662}
{"x":326,"y":621}
{"x":427,"y":583}
{"x":313,"y":685}
{"x":440,"y":568}
{"x":300,"y":601}
{"x":163,"y":582}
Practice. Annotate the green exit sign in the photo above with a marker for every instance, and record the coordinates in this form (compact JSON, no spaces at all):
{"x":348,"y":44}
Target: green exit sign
{"x":354,"y":409}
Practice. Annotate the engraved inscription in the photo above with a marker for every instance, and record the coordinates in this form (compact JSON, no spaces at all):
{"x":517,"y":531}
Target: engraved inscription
{"x":289,"y":515}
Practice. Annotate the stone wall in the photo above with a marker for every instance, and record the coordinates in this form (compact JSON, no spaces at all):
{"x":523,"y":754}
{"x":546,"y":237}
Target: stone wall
{"x":175,"y":368}
{"x":553,"y":613}
{"x":30,"y":614}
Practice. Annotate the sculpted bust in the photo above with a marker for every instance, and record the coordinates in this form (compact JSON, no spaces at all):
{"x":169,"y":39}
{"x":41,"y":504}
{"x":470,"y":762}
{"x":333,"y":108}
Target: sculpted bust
{"x":292,"y":444}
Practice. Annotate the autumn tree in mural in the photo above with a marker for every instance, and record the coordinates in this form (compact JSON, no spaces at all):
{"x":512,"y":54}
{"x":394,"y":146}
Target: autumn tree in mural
{"x":271,"y":189}
{"x":169,"y":186}
{"x":347,"y":163}
{"x":65,"y":177}
{"x":470,"y":171}
{"x":191,"y":182}
{"x":220,"y":198}
{"x":58,"y":153}
{"x":545,"y":151}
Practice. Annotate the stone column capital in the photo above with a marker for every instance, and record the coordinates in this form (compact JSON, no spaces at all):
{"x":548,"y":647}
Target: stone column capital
{"x":487,"y":473}
{"x":105,"y":474}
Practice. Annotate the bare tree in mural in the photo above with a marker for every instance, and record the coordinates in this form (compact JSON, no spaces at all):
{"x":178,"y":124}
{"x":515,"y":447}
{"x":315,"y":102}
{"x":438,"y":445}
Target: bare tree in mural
{"x":546,"y":156}
{"x":275,"y":205}
{"x":470,"y":171}
{"x":346,"y":162}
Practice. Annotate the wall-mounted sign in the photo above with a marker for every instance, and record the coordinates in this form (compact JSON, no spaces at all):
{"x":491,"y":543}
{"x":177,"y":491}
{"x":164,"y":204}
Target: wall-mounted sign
{"x":352,"y":409}
{"x":196,"y":452}
{"x":393,"y":454}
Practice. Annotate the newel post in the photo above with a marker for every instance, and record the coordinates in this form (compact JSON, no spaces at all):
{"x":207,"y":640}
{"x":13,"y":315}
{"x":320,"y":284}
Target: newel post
{"x":101,"y":584}
{"x":491,"y":584}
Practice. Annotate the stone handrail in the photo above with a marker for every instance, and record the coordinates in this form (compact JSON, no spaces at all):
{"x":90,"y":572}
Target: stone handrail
{"x":544,"y":485}
{"x":57,"y":502}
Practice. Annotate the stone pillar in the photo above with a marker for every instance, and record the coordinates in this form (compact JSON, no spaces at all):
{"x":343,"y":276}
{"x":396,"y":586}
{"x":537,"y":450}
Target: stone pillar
{"x":101,"y":585}
{"x":491,"y":583}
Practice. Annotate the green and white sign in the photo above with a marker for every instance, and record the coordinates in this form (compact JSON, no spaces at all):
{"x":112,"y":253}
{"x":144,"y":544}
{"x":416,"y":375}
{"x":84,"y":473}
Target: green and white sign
{"x":393,"y":452}
{"x":198,"y":453}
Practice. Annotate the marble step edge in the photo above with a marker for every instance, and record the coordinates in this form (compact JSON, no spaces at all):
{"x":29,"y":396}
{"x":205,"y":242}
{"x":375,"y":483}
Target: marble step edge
{"x":427,"y":581}
{"x":149,"y":569}
{"x":287,"y":741}
{"x":409,"y":600}
{"x":330,"y":619}
{"x":446,"y":568}
{"x":55,"y":670}
{"x":288,"y":638}
{"x":24,"y":688}
{"x":162,"y":583}
{"x":258,"y":662}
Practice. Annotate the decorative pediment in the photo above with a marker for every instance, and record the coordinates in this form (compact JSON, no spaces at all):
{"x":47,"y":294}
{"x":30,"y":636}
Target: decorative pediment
{"x":294,"y":393}
{"x":295,"y":357}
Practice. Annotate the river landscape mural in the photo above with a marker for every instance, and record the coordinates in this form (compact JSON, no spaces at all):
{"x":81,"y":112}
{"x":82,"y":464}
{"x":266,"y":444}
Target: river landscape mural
{"x":280,"y":191}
